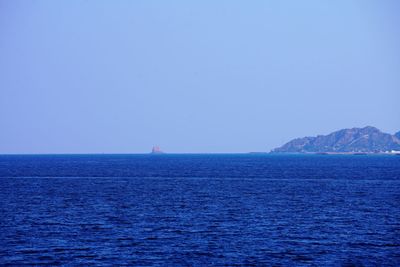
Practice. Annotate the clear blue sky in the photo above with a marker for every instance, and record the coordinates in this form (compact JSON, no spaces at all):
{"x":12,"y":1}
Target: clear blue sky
{"x":193,"y":76}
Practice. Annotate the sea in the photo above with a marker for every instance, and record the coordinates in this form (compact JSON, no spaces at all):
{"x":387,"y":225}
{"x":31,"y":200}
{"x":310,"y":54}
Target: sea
{"x":200,"y":210}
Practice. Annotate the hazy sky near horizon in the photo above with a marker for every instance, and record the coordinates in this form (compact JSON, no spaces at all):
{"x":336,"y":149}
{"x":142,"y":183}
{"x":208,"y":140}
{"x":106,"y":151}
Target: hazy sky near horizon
{"x":193,"y":76}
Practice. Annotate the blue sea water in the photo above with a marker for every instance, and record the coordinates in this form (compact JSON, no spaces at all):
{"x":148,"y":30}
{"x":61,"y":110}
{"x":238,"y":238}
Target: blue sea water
{"x":200,"y":210}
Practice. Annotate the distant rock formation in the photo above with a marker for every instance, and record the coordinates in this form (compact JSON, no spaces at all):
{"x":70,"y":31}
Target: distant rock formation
{"x":397,"y":135}
{"x":156,"y":150}
{"x":355,"y":140}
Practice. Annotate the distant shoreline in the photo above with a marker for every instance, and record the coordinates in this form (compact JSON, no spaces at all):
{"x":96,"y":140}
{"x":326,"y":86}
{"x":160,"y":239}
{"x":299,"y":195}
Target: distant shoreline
{"x":213,"y":153}
{"x":336,"y":153}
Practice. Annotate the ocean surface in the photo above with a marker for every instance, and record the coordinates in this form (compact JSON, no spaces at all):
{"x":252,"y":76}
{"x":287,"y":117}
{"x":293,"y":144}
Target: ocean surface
{"x":200,"y":210}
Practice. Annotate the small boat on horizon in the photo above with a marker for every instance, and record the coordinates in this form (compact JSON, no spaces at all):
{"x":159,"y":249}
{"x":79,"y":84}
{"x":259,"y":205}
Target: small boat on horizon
{"x":156,"y":150}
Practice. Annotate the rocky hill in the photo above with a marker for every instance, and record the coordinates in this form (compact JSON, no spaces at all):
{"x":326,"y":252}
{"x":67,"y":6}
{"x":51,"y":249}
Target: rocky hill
{"x":365,"y":140}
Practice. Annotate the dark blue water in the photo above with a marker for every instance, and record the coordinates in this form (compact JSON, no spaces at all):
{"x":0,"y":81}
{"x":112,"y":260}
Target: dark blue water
{"x":180,"y":210}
